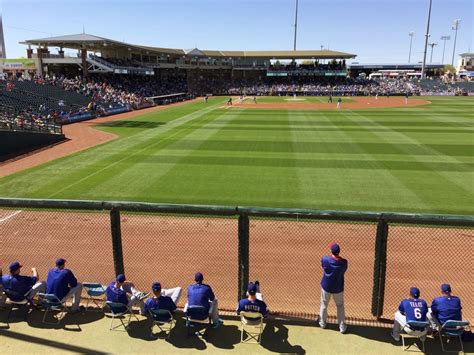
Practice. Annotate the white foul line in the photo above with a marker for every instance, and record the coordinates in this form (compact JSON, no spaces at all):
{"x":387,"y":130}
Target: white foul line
{"x":9,"y":216}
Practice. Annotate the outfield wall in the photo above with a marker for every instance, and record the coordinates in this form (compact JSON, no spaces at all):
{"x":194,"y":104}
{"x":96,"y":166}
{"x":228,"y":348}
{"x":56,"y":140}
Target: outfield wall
{"x":20,"y":142}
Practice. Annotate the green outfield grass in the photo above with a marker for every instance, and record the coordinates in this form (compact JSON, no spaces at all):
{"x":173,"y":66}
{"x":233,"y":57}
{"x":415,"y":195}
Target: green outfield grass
{"x":299,"y":99}
{"x":412,"y":159}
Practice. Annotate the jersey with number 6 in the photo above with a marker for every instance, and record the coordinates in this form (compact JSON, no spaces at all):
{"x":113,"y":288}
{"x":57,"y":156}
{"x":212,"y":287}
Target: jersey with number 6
{"x":414,"y":309}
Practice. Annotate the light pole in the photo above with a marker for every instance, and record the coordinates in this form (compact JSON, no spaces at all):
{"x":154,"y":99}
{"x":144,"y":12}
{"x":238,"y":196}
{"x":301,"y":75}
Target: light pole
{"x":432,"y":46}
{"x":296,"y":25}
{"x":423,"y":76}
{"x":411,"y":41}
{"x":444,"y":38}
{"x":455,"y":28}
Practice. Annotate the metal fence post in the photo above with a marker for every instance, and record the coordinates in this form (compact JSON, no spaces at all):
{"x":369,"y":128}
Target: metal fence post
{"x":116,"y":241}
{"x":244,"y":251}
{"x":380,"y":268}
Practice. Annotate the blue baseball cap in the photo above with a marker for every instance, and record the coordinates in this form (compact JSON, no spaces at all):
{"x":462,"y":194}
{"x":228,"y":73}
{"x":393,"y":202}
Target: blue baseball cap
{"x":156,"y":286}
{"x":252,"y":288}
{"x":15,"y":266}
{"x":60,"y":262}
{"x":335,"y":249}
{"x":445,"y":288}
{"x":120,"y":278}
{"x":198,"y":277}
{"x":415,"y":292}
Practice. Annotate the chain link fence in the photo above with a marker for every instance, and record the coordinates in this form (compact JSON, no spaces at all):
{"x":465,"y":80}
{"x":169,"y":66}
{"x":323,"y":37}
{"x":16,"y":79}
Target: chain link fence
{"x":387,"y":253}
{"x":37,"y":237}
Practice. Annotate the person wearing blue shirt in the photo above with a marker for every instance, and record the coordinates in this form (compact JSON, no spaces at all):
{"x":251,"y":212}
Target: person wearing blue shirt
{"x":444,"y":308}
{"x":63,"y":284}
{"x":117,"y":292}
{"x":253,"y":302}
{"x":200,"y":294}
{"x":332,"y":284}
{"x":25,"y":286}
{"x":410,"y":309}
{"x":160,"y":300}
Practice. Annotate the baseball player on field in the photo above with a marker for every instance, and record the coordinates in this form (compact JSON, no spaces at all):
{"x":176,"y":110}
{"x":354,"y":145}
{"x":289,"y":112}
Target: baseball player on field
{"x":410,"y":309}
{"x":332,"y":285}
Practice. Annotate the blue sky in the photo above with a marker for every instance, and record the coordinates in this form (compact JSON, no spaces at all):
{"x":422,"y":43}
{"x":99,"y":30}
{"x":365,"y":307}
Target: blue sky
{"x":375,"y":30}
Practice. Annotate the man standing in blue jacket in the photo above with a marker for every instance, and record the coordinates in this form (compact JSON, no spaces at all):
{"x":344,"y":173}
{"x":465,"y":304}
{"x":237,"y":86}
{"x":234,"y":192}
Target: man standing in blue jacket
{"x":332,"y":284}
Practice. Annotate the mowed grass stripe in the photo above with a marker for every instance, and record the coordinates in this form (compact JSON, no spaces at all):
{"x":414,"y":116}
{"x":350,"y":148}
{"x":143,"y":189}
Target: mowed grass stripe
{"x":153,"y":167}
{"x":441,"y":152}
{"x":367,"y":181}
{"x":234,"y":183}
{"x":60,"y":174}
{"x":141,"y":145}
{"x":454,"y":185}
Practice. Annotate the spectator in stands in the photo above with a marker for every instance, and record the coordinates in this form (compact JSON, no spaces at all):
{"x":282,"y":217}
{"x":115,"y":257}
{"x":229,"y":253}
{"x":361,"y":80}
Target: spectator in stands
{"x":332,"y":284}
{"x":25,"y":286}
{"x":410,"y":309}
{"x":117,"y":292}
{"x":254,"y":301}
{"x":200,"y":294}
{"x":163,"y":298}
{"x":444,"y":308}
{"x":62,"y":283}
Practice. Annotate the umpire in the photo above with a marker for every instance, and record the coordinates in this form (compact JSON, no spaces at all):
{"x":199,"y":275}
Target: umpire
{"x":332,"y":284}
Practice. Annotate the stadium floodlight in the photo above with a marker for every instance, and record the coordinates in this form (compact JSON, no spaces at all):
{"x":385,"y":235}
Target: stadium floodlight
{"x":444,"y":38}
{"x":296,"y":25}
{"x":427,"y":35}
{"x":455,"y":28}
{"x":411,"y":33}
{"x":432,"y":46}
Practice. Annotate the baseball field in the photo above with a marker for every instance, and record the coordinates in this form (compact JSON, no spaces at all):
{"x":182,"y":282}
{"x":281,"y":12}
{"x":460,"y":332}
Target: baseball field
{"x":279,"y":152}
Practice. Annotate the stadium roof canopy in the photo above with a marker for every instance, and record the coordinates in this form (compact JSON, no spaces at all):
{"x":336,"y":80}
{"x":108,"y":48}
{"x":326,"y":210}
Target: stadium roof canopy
{"x":96,"y":43}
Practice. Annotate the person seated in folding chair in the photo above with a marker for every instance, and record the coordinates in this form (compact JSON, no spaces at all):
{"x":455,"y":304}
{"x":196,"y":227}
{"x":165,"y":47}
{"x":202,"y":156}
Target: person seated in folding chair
{"x":410,"y":309}
{"x":254,"y":301}
{"x":200,"y":294}
{"x":20,"y":285}
{"x":117,"y":292}
{"x":162,"y":298}
{"x":444,"y":308}
{"x":63,"y":284}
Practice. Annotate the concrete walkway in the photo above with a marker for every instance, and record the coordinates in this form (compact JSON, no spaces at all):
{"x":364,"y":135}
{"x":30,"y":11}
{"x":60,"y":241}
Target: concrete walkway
{"x":88,"y":332}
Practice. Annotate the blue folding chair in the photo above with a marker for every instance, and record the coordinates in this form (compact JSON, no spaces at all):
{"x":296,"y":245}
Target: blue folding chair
{"x":197,"y":320}
{"x":17,"y":301}
{"x":163,"y":319}
{"x":452,"y":329}
{"x":414,"y":329}
{"x":120,"y":311}
{"x":95,"y":292}
{"x":51,"y":303}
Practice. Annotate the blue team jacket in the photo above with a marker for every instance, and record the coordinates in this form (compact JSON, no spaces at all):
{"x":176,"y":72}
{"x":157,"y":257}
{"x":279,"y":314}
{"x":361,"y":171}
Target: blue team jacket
{"x":333,"y":276}
{"x":446,"y":308}
{"x":200,"y":295}
{"x":60,"y":281}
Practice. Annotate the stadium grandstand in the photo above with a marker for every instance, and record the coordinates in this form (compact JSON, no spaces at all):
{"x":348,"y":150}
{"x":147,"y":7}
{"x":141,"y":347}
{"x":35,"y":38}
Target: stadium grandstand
{"x":78,"y":77}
